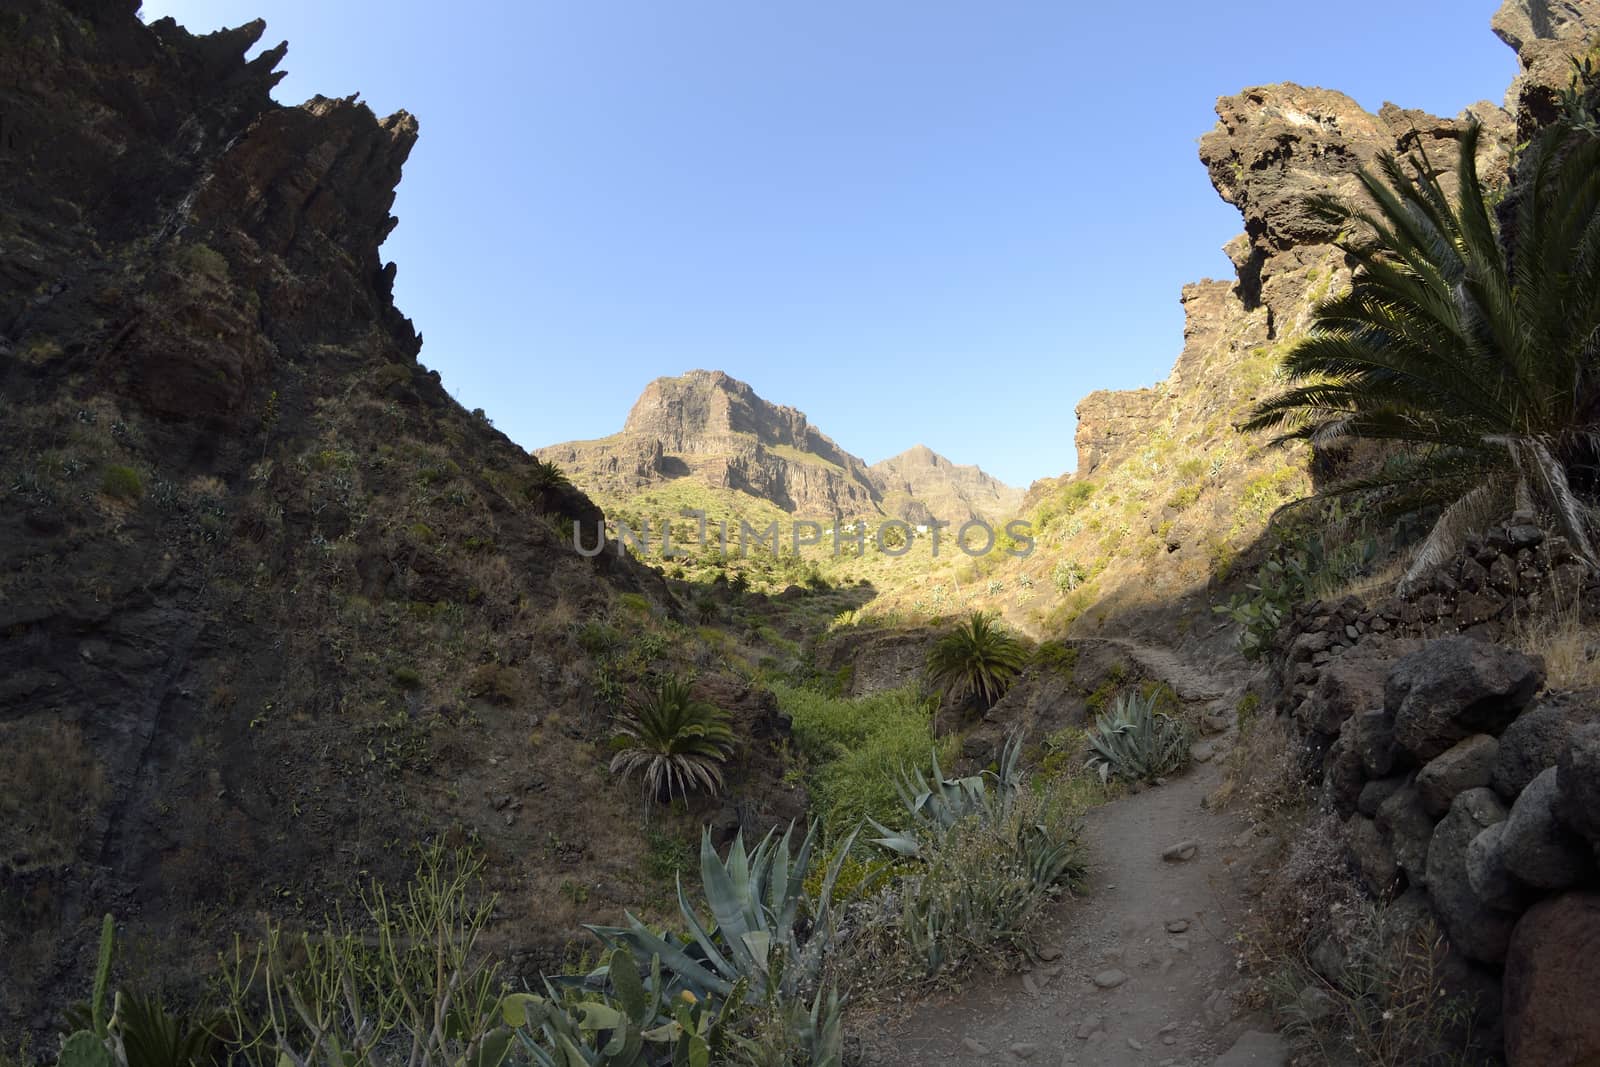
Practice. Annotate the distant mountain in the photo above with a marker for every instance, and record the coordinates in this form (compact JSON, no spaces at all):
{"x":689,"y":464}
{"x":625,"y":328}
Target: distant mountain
{"x":920,"y":484}
{"x":708,"y":426}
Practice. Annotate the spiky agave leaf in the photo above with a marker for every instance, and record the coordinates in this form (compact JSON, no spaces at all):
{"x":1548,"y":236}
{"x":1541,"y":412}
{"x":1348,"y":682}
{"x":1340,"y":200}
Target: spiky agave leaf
{"x":1135,"y":742}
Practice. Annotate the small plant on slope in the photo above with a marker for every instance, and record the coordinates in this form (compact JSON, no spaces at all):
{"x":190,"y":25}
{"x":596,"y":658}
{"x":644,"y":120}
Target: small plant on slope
{"x":674,"y":742}
{"x":1137,"y":743}
{"x":979,"y":660}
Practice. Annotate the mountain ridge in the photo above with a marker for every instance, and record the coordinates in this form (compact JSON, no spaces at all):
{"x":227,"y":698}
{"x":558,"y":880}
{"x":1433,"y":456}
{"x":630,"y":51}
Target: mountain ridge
{"x":708,"y":425}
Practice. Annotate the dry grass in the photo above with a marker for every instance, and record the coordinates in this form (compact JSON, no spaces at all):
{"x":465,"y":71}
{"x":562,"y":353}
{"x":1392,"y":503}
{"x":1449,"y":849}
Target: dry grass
{"x":1382,"y":582}
{"x":1261,"y":774}
{"x":1570,"y":648}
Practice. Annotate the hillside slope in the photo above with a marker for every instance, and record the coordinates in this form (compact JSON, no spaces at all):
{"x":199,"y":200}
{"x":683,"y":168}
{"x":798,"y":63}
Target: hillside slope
{"x":275,"y":607}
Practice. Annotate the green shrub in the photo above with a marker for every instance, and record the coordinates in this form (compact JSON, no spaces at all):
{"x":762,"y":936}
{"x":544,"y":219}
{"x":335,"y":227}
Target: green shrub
{"x":856,"y":749}
{"x":1057,"y":657}
{"x":1184,"y":498}
{"x":121,"y":483}
{"x":1389,"y":1002}
{"x":202,"y":259}
{"x":989,"y":852}
{"x":1068,"y":575}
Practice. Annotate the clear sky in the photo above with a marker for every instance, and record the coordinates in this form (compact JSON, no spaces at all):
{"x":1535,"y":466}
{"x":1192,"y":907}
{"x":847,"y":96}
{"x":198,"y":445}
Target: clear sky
{"x":915,"y":220}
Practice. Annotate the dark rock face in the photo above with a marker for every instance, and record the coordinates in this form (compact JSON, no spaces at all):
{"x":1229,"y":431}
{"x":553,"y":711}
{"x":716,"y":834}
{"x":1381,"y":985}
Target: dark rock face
{"x":1349,"y":685}
{"x":1487,"y":875}
{"x":1454,"y":687}
{"x":275,"y":605}
{"x":1408,"y":830}
{"x":1578,"y":775}
{"x":1552,"y":971}
{"x":1545,"y":35}
{"x":1476,"y":930}
{"x":1374,"y":858}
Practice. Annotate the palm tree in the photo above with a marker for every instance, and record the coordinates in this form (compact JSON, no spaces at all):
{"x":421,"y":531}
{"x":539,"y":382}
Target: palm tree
{"x":675,"y":742}
{"x":1483,"y":362}
{"x":979,"y":658}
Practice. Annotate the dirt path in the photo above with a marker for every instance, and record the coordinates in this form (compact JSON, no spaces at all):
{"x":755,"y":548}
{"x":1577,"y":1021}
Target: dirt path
{"x":1143,"y":969}
{"x":1190,"y":682}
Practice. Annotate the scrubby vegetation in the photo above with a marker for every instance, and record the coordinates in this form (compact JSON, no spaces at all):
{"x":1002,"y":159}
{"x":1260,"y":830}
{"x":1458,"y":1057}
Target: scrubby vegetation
{"x":853,"y":750}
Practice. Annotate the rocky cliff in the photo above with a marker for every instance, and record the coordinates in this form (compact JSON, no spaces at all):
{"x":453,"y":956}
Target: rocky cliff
{"x":714,"y":429}
{"x":1166,"y":495}
{"x":275,"y":607}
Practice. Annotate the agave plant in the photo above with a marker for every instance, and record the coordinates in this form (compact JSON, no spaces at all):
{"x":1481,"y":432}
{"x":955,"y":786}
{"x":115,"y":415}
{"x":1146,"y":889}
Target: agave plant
{"x":979,"y":660}
{"x":766,"y":941}
{"x":673,"y":741}
{"x":938,"y":803}
{"x":990,"y":850}
{"x":1135,"y":742}
{"x":705,"y":608}
{"x":633,"y":1023}
{"x":138,"y":1031}
{"x":1477,"y":351}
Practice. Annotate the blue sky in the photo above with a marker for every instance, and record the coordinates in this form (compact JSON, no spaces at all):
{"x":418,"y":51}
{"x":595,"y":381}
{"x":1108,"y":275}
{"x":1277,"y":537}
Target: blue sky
{"x":915,"y":220}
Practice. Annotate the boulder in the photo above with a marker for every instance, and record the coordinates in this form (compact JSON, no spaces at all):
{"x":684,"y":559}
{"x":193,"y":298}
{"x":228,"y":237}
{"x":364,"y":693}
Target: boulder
{"x":1373,"y":857}
{"x":1408,"y":829}
{"x":1375,"y":792}
{"x":1552,"y":972}
{"x":1487,"y":875}
{"x":1348,"y":685}
{"x":1454,"y":687}
{"x":1538,"y":737}
{"x":1465,"y":765}
{"x":1477,"y":931}
{"x":1578,"y":767}
{"x":1536,"y":848}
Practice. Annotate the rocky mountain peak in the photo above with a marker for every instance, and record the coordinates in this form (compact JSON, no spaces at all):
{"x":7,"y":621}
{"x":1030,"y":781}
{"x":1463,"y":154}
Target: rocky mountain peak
{"x":711,"y":426}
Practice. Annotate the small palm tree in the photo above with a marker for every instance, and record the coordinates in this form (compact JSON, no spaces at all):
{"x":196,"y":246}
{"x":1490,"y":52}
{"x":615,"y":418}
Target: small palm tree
{"x":544,"y":474}
{"x":675,"y":742}
{"x":978,"y":659}
{"x":1482,"y":361}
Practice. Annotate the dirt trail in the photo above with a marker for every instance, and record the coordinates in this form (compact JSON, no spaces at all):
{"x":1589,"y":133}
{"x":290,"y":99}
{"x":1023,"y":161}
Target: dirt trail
{"x":1145,"y":975}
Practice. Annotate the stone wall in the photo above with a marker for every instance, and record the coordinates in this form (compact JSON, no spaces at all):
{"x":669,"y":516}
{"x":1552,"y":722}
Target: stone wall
{"x":1462,"y":783}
